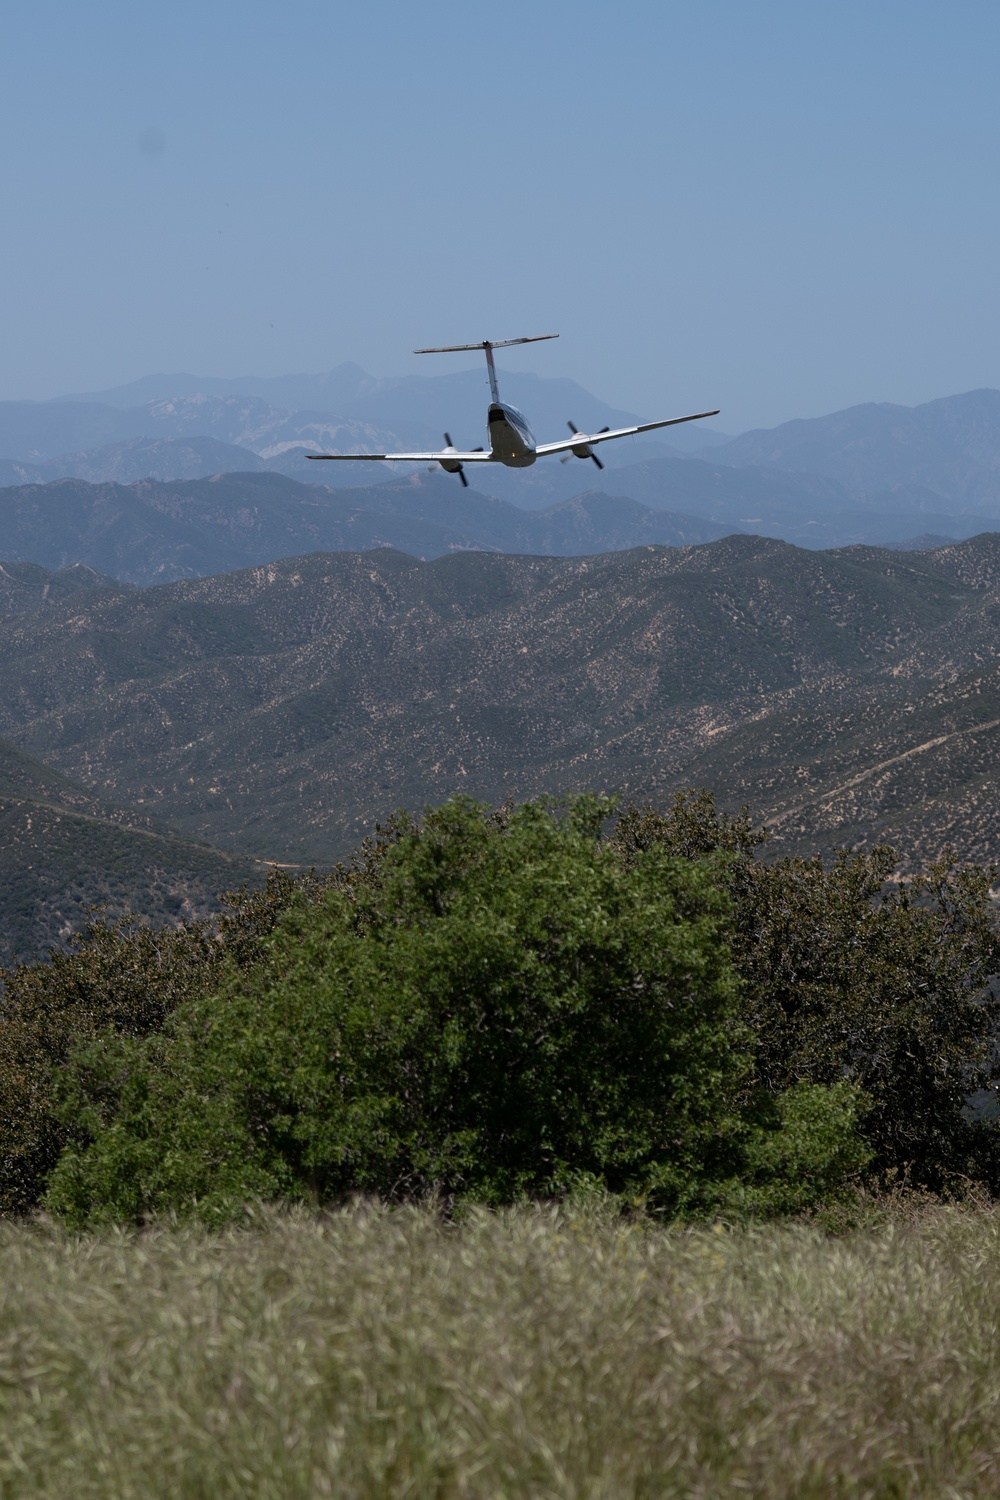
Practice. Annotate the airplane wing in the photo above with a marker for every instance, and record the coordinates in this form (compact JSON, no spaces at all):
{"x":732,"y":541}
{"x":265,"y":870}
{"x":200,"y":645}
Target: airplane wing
{"x":588,"y":439}
{"x":479,"y":457}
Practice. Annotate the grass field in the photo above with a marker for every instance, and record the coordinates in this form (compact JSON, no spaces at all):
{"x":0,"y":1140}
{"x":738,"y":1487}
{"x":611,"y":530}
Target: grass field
{"x":547,"y":1353}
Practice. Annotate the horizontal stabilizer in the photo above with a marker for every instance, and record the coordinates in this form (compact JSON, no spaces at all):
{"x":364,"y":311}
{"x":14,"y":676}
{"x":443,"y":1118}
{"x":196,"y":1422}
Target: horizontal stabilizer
{"x":535,"y":338}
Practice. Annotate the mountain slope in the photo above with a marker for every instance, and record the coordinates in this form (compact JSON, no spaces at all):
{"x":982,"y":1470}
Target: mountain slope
{"x":871,"y":474}
{"x":63,"y":852}
{"x":279,"y":710}
{"x":418,"y":403}
{"x":25,"y":587}
{"x":150,"y":531}
{"x":47,"y":432}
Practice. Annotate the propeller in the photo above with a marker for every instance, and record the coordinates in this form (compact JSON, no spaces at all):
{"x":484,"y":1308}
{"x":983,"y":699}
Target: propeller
{"x":584,"y":450}
{"x":454,"y":468}
{"x":449,"y":465}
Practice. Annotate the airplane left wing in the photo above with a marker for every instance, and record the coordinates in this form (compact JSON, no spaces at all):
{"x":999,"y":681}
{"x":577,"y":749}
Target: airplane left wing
{"x":447,"y":454}
{"x":588,"y":439}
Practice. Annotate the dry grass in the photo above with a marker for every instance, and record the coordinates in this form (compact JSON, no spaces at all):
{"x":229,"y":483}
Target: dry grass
{"x":542,"y":1354}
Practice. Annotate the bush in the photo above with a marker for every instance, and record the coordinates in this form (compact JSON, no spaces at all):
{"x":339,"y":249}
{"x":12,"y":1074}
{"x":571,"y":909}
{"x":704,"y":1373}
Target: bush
{"x":850,"y":975}
{"x":121,"y":979}
{"x":510,"y":1008}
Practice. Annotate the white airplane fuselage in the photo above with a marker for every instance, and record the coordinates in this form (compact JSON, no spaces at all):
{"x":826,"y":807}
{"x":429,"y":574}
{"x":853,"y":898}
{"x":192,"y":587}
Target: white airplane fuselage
{"x":512,"y":441}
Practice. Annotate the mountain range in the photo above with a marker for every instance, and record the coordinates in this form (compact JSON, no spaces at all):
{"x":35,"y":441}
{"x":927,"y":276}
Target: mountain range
{"x":154,"y":531}
{"x":151,"y":532}
{"x":871,"y":474}
{"x":847,"y":696}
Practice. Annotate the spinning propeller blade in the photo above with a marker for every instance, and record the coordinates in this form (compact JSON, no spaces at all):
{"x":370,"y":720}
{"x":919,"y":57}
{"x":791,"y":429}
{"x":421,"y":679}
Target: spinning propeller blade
{"x":584,"y":450}
{"x":457,"y":469}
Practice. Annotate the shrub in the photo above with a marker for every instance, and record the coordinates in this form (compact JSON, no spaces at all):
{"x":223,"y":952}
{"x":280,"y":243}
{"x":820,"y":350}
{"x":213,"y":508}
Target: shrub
{"x":510,"y":1008}
{"x":849,"y":975}
{"x":121,"y":979}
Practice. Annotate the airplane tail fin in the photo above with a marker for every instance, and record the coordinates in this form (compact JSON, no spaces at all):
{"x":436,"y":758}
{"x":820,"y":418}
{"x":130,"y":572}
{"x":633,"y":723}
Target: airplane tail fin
{"x":487,"y":346}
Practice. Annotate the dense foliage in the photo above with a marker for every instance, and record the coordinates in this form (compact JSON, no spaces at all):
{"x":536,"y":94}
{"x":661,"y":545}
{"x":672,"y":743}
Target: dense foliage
{"x":849,"y":974}
{"x":508,"y":1008}
{"x":120,"y":979}
{"x":521,"y":1003}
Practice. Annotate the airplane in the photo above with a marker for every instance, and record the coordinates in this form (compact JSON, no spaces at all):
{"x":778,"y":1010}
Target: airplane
{"x":511,"y":440}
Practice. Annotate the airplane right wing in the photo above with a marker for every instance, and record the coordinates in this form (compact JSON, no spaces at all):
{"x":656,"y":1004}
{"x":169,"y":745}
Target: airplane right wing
{"x":587,"y":439}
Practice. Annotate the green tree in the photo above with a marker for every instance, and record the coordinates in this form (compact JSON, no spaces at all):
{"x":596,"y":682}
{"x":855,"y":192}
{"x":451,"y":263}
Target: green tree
{"x":509,"y":1008}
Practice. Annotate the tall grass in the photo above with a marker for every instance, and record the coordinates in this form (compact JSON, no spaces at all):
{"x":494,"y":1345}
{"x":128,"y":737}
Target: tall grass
{"x":545,"y":1353}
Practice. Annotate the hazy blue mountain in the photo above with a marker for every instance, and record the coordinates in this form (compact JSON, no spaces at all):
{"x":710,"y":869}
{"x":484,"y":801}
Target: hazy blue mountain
{"x":660,"y":478}
{"x":929,"y":542}
{"x":152,"y":532}
{"x":807,"y":509}
{"x":869,"y":474}
{"x":33,"y":431}
{"x":47,"y":432}
{"x":942,"y":456}
{"x":137,"y":458}
{"x":422,"y":403}
{"x":696,"y":438}
{"x":278,"y":443}
{"x":349,"y":390}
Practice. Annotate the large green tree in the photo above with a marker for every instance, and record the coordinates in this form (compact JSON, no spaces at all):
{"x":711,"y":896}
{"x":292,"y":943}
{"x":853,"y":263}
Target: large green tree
{"x":509,"y":1007}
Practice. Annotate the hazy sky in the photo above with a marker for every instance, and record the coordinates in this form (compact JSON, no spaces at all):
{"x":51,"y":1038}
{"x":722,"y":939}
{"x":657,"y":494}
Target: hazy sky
{"x":779,"y":209}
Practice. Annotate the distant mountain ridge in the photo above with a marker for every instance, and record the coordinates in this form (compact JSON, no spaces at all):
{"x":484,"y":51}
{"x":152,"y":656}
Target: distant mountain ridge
{"x":34,"y":432}
{"x":151,"y":532}
{"x":421,"y":401}
{"x":943,"y":451}
{"x":137,"y":458}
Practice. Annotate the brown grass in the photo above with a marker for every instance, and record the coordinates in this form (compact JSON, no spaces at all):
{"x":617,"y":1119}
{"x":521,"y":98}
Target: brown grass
{"x":546,"y":1353}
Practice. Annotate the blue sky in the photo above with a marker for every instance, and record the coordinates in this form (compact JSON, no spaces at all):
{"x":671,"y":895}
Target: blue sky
{"x":779,"y":209}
